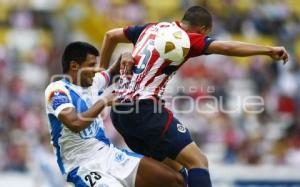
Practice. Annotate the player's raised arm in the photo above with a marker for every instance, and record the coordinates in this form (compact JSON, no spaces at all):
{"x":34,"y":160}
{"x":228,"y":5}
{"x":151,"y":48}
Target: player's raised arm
{"x":128,"y":34}
{"x":241,"y":49}
{"x":110,"y":41}
{"x":76,"y":122}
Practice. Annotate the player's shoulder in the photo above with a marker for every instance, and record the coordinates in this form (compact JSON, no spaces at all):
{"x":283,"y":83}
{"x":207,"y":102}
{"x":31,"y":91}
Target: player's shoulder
{"x":56,"y":86}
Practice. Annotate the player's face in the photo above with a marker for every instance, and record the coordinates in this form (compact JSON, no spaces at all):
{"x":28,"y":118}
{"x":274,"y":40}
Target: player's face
{"x":87,"y":70}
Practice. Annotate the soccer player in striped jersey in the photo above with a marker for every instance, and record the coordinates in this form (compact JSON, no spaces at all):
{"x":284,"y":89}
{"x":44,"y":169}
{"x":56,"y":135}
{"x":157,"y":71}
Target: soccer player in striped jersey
{"x":159,"y":134}
{"x":84,"y":154}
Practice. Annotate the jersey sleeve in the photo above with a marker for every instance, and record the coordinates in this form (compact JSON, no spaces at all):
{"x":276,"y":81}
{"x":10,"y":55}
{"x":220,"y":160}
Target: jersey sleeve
{"x":199,"y":45}
{"x":133,"y":32}
{"x":58,"y":98}
{"x":101,"y":81}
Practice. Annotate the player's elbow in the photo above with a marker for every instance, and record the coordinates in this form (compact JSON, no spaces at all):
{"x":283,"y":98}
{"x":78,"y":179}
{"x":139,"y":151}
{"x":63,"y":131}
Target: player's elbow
{"x":75,"y":129}
{"x":115,"y":36}
{"x":75,"y":126}
{"x":110,"y":36}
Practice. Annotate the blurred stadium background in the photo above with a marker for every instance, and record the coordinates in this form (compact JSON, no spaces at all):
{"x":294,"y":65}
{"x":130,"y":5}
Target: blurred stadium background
{"x":244,"y":149}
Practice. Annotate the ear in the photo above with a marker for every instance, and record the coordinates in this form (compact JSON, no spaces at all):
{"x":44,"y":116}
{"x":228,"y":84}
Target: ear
{"x":201,"y":29}
{"x":74,"y":66}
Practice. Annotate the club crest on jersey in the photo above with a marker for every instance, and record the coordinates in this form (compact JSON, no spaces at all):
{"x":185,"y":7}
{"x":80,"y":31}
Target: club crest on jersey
{"x":181,"y":128}
{"x":58,"y":97}
{"x":119,"y":156}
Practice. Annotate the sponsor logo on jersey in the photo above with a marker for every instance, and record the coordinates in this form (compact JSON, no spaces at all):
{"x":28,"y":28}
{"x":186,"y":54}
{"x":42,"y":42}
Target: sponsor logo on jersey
{"x":90,"y":131}
{"x":57,"y":98}
{"x":181,"y":128}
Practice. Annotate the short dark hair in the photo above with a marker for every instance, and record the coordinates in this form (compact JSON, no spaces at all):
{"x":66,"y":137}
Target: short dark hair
{"x":77,"y":51}
{"x":198,"y":16}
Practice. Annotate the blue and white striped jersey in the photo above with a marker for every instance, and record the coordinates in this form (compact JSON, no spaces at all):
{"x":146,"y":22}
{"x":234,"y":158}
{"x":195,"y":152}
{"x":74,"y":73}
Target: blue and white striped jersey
{"x":74,"y":148}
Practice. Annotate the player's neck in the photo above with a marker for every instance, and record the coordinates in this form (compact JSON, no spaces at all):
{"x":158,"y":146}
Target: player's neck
{"x":184,"y":26}
{"x":72,"y":78}
{"x":187,"y":27}
{"x":193,"y":29}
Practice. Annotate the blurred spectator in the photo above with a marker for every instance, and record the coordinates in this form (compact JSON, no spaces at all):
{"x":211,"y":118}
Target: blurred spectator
{"x":34,"y":35}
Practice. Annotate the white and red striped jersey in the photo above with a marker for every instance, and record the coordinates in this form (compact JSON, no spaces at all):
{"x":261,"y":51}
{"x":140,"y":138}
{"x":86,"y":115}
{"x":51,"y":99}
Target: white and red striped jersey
{"x":151,"y":72}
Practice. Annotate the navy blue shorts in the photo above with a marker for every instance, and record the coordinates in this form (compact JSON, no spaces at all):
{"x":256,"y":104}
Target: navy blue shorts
{"x":150,"y":129}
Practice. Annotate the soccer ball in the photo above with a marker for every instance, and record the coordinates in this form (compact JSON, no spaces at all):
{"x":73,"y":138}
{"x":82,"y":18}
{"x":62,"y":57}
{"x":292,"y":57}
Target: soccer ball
{"x":172,"y":43}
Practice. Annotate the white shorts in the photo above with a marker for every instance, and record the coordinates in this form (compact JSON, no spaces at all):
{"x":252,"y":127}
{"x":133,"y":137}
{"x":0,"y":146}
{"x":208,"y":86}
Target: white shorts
{"x":109,"y":167}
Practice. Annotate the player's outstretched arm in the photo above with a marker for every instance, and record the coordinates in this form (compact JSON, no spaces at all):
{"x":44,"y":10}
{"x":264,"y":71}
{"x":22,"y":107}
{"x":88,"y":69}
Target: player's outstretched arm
{"x":242,"y":49}
{"x":110,"y":41}
{"x":79,"y":121}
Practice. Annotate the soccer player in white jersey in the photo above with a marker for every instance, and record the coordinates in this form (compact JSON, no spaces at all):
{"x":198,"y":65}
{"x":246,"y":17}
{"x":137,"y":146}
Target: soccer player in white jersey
{"x":160,"y":135}
{"x":84,"y":155}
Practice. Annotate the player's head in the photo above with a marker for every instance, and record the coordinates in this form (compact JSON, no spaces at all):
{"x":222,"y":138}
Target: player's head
{"x":80,"y":57}
{"x":197,"y":19}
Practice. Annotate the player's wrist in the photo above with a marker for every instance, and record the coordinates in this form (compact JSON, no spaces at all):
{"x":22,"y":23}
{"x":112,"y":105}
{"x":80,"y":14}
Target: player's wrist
{"x":269,"y":50}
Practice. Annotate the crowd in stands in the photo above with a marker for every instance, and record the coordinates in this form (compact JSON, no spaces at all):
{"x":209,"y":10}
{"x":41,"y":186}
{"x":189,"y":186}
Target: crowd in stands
{"x":33,"y":35}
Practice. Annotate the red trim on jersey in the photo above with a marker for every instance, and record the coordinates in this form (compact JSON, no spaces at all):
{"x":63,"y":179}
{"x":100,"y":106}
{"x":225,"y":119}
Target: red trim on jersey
{"x":144,"y":80}
{"x":144,"y":31}
{"x":151,"y":36}
{"x":165,"y":64}
{"x":197,"y":41}
{"x":197,"y":44}
{"x":136,"y":59}
{"x":105,"y":76}
{"x":161,"y":85}
{"x":152,"y":61}
{"x":167,"y":125}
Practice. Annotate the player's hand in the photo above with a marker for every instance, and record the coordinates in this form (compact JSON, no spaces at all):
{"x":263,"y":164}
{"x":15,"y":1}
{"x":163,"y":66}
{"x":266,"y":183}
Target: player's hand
{"x":109,"y":97}
{"x":279,"y":53}
{"x":127,"y":62}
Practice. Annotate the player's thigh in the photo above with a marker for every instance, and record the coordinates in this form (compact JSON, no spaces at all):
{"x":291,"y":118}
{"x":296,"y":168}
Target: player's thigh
{"x":173,"y":141}
{"x":153,"y":173}
{"x":180,"y":146}
{"x":137,"y":145}
{"x":192,"y":157}
{"x":91,"y":176}
{"x":123,"y":165}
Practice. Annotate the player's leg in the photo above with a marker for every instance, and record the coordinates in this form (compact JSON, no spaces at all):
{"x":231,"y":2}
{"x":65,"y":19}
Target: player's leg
{"x":172,"y":164}
{"x":182,"y":149}
{"x":176,"y":143}
{"x":153,"y":173}
{"x":162,"y":136}
{"x":197,"y":164}
{"x":90,"y":175}
{"x":192,"y":157}
{"x":133,"y":169}
{"x":177,"y":167}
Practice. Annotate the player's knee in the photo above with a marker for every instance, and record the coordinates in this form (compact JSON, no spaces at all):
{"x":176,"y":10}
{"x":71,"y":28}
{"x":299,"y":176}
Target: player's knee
{"x":198,"y":161}
{"x":204,"y":161}
{"x":201,"y":161}
{"x":192,"y":157}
